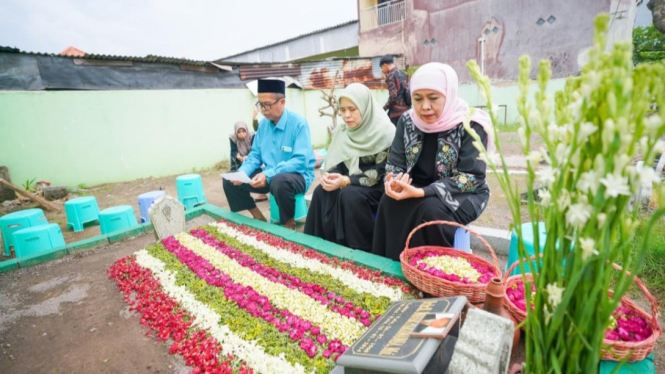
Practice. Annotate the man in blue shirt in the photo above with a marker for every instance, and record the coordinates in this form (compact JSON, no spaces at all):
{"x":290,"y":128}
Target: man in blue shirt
{"x":284,"y":146}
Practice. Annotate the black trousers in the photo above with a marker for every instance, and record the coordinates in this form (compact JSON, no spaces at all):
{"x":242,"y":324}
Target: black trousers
{"x":283,"y":187}
{"x":344,"y":216}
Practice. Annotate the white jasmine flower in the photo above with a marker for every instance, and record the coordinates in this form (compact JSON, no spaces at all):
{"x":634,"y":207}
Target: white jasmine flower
{"x":615,"y":185}
{"x":545,"y":197}
{"x":588,"y":246}
{"x":554,"y":294}
{"x":578,"y":215}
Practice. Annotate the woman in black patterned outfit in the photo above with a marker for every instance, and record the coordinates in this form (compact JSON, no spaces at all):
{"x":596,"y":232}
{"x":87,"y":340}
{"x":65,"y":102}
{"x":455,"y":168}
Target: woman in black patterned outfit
{"x":343,"y":204}
{"x":433,"y":172}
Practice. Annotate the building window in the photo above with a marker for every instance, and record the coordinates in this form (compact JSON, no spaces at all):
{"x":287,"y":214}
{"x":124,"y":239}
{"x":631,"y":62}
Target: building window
{"x":386,"y":12}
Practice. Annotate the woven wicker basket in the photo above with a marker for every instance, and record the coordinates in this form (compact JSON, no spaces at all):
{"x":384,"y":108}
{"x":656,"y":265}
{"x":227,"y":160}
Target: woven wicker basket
{"x":435,"y":286}
{"x":518,"y":314}
{"x":614,"y":350}
{"x":635,"y":351}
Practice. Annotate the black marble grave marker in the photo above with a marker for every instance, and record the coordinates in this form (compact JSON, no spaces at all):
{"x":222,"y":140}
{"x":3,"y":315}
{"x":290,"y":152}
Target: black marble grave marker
{"x":387,"y":348}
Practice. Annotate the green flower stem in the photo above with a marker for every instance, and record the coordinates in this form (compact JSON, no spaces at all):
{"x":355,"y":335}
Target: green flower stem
{"x":600,"y":122}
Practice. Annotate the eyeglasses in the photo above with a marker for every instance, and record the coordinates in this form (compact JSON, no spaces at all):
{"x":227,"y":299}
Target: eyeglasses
{"x":266,"y":106}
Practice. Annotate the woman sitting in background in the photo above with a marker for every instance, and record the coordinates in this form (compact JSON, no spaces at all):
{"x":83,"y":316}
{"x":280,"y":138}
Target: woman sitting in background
{"x":344,"y":202}
{"x":241,"y":143}
{"x":433,"y":171}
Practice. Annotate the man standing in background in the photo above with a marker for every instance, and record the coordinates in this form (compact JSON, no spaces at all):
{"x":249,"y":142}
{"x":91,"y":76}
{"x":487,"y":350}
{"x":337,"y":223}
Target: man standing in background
{"x":399,"y":99}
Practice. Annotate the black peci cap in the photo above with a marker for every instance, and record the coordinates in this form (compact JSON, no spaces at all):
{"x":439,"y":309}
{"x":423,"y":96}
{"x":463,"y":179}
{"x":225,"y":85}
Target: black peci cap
{"x":272,"y":86}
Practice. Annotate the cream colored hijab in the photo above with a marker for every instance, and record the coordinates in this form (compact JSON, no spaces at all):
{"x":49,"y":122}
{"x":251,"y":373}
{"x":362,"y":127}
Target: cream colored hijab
{"x":374,"y":134}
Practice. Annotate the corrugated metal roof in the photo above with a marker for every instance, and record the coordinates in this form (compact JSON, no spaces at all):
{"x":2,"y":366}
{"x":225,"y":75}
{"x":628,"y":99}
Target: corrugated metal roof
{"x":251,"y":72}
{"x":288,"y":40}
{"x":91,"y":56}
{"x":365,"y":70}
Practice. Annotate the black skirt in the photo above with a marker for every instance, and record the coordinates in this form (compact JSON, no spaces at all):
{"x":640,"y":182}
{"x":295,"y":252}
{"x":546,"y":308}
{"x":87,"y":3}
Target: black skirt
{"x":344,"y":216}
{"x":396,"y":219}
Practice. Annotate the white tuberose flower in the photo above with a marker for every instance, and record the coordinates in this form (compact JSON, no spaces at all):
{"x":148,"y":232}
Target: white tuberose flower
{"x":588,"y":247}
{"x":554,"y":294}
{"x":548,"y":176}
{"x":578,"y":214}
{"x":647,"y":175}
{"x":586,"y":129}
{"x":588,"y":182}
{"x":545,"y":197}
{"x":616,"y":185}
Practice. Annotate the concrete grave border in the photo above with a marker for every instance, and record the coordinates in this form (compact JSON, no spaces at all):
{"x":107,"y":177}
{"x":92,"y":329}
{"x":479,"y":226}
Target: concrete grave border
{"x":499,"y":239}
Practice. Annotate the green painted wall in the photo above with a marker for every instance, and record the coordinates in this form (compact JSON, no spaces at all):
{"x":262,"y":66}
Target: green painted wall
{"x":92,"y":137}
{"x":505,"y":95}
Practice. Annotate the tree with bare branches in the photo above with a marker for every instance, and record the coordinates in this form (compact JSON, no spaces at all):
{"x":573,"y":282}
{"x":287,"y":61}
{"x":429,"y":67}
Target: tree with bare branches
{"x":329,"y":97}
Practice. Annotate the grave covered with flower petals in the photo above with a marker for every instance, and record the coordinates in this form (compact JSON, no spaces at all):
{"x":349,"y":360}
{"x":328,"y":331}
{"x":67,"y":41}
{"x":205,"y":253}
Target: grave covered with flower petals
{"x":232,"y":299}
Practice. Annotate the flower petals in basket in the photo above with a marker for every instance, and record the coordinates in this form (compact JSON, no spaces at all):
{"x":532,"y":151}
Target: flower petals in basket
{"x":447,"y":272}
{"x":632,"y":333}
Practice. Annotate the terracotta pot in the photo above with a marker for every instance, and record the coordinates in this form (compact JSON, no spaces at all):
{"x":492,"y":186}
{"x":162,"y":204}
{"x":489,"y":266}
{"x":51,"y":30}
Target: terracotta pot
{"x":494,"y":294}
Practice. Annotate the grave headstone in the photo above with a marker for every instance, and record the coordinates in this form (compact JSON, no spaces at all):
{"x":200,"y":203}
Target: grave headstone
{"x":386,"y":347}
{"x":167,"y":216}
{"x":484,"y":344}
{"x":6,"y":193}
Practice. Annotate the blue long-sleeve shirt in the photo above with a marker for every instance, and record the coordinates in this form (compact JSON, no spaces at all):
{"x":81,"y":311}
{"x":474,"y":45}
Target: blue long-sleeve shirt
{"x":283,"y":148}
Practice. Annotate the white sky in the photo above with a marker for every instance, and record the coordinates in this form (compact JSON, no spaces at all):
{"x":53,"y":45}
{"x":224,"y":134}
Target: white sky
{"x":194,"y":29}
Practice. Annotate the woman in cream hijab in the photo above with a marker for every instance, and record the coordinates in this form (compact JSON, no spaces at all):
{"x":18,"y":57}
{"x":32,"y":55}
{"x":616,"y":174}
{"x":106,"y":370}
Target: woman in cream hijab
{"x":343,"y":204}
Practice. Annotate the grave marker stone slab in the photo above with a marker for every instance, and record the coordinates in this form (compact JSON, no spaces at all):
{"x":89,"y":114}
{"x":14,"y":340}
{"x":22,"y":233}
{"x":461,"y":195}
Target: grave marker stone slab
{"x":484,"y":344}
{"x":167,"y":216}
{"x":387,"y":348}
